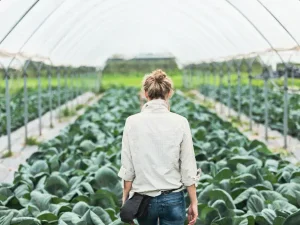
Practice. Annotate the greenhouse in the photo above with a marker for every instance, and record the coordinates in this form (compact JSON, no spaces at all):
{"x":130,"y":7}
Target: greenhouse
{"x":71,"y":74}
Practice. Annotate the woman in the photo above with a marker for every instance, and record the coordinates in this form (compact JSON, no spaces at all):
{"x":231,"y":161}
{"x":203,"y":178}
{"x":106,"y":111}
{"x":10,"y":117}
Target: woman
{"x":158,"y":157}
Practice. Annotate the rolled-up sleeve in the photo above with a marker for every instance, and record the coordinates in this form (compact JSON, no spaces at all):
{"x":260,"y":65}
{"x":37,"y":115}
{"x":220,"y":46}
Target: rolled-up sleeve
{"x":126,"y":172}
{"x":189,"y":173}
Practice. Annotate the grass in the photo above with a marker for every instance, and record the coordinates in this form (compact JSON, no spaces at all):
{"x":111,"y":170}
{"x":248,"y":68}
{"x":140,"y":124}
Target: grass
{"x":7,"y":154}
{"x":282,"y":151}
{"x":133,"y":80}
{"x":79,"y":106}
{"x":215,"y":80}
{"x":16,"y":84}
{"x":32,"y":141}
{"x":67,"y":112}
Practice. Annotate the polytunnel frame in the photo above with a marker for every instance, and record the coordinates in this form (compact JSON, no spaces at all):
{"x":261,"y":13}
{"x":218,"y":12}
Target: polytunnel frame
{"x":223,"y":68}
{"x":37,"y":66}
{"x":261,"y":33}
{"x":101,"y":2}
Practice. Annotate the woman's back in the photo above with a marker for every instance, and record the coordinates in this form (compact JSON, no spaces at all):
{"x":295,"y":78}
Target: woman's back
{"x":155,"y":136}
{"x":158,"y":155}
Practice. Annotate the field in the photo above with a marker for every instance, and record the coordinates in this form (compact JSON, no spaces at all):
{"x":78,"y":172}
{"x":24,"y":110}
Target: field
{"x":72,"y":179}
{"x":244,"y":80}
{"x":134,"y":80}
{"x":17,"y":83}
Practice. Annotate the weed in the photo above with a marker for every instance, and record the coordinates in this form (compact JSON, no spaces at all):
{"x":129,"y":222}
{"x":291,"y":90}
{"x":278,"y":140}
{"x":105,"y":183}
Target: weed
{"x":32,"y":141}
{"x":7,"y":154}
{"x":79,"y":106}
{"x":67,"y":112}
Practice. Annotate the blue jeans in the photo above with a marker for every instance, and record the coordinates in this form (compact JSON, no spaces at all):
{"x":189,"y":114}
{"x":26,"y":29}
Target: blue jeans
{"x":168,"y":208}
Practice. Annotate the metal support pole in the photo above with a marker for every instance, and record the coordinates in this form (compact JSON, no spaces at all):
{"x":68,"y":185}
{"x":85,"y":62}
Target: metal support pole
{"x":250,"y":77}
{"x":229,"y":88}
{"x":214,"y":79}
{"x":98,"y":81}
{"x":184,"y":78}
{"x":72,"y":77}
{"x":77,"y":87}
{"x":82,"y":85}
{"x":39,"y":100}
{"x":211,"y":78}
{"x":239,"y":89}
{"x":266,"y":78}
{"x":66,"y":95}
{"x":286,"y":103}
{"x":198,"y":74}
{"x":58,"y":91}
{"x":221,"y":86}
{"x":50,"y":96}
{"x":206,"y":91}
{"x":191,"y":77}
{"x":7,"y":106}
{"x":25,"y":106}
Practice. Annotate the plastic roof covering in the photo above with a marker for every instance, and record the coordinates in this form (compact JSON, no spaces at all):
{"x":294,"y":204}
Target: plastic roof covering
{"x":87,"y":32}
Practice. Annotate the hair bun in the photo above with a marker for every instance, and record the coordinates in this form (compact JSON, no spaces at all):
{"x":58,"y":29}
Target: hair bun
{"x":159,"y":76}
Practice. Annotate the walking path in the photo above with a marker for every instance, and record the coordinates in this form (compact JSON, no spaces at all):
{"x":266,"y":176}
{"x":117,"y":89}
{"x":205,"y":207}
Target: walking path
{"x":276,"y":139}
{"x":9,"y":165}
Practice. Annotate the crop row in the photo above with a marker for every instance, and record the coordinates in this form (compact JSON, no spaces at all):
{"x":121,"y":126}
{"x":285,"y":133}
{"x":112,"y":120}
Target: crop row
{"x":17,"y":106}
{"x":275,"y":105}
{"x":73,"y":180}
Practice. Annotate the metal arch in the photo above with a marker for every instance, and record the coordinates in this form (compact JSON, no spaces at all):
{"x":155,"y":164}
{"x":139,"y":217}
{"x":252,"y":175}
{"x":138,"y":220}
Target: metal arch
{"x":93,"y":32}
{"x":198,"y":22}
{"x":278,"y":21}
{"x":15,"y":59}
{"x":226,"y":37}
{"x":75,"y":20}
{"x":16,"y":24}
{"x":99,"y":28}
{"x":255,"y":27}
{"x":73,"y":47}
{"x":79,"y":42}
{"x":41,"y":24}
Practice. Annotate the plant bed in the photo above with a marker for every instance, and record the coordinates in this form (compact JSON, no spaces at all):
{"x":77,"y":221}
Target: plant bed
{"x":73,"y":180}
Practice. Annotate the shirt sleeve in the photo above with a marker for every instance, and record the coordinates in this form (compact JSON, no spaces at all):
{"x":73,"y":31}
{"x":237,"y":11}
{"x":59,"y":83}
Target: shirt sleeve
{"x":126,"y":172}
{"x":188,"y":167}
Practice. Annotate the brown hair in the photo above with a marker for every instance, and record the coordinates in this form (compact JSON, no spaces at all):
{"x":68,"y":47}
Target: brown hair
{"x":157,"y":84}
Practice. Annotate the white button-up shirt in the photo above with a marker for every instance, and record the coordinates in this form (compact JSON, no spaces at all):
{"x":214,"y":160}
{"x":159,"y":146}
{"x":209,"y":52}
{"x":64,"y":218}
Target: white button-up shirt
{"x":157,"y":150}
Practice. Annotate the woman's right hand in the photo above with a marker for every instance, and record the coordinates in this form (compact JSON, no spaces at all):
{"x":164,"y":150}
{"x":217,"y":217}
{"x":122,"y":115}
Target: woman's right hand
{"x":192,"y":214}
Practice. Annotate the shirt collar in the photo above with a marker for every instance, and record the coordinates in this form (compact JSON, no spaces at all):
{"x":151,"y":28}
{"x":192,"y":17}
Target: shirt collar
{"x":156,"y":105}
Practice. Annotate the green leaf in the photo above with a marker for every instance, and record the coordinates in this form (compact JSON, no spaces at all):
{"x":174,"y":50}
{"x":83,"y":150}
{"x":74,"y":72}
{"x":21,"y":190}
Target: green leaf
{"x":39,"y":167}
{"x":279,"y":204}
{"x":56,"y":185}
{"x":103,"y":215}
{"x":269,"y":215}
{"x":279,"y":220}
{"x":223,"y":195}
{"x":207,"y":214}
{"x":41,"y":201}
{"x":245,"y":195}
{"x":47,"y":216}
{"x":255,"y":204}
{"x":225,"y":173}
{"x":6,"y":220}
{"x":25,"y":221}
{"x":80,"y":208}
{"x":293,"y":219}
{"x":69,"y":218}
{"x":87,"y":145}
